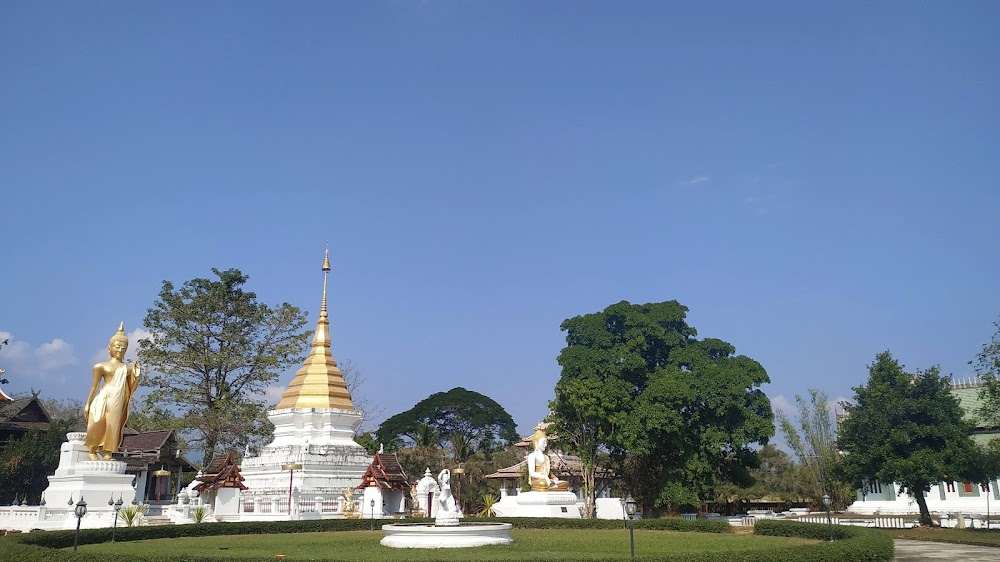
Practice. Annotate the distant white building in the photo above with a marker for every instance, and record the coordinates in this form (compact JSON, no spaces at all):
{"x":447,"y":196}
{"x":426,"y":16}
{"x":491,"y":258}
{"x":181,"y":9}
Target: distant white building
{"x":944,"y":497}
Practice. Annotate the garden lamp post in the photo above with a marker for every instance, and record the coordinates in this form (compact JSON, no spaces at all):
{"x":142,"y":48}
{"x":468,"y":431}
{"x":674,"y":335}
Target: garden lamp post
{"x":291,"y":468}
{"x":372,"y":527}
{"x":624,"y":517}
{"x":118,"y":507}
{"x":458,"y":472}
{"x":829,"y":520}
{"x":159,"y":483}
{"x":80,"y":510}
{"x":630,"y":510}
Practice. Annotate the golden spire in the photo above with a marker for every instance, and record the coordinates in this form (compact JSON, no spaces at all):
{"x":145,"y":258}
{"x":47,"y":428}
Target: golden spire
{"x":318,"y":383}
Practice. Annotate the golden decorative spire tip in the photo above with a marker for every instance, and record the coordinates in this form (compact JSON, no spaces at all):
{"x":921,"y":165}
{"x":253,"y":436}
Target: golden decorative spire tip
{"x":326,"y":260}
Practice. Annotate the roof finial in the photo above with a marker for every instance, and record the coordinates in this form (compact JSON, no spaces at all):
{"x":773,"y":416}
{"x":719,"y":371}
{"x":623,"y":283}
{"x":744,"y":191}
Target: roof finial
{"x":326,"y":272}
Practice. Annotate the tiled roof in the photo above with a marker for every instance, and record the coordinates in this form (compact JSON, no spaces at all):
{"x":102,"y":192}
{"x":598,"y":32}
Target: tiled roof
{"x":221,"y":472}
{"x":148,"y":441}
{"x":24,"y":413}
{"x":385,"y":471}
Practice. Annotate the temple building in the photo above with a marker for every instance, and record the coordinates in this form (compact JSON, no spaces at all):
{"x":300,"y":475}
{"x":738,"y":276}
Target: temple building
{"x":313,"y":457}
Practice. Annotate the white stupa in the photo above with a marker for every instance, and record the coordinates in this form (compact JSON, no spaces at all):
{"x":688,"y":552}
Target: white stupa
{"x":313,"y":452}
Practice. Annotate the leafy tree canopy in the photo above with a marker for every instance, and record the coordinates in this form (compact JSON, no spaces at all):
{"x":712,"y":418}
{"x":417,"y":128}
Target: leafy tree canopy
{"x":481,"y":422}
{"x":690,"y":412}
{"x":907,"y":428}
{"x":213,"y":350}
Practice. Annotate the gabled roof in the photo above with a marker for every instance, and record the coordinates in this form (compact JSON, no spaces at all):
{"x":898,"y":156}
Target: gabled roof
{"x":221,"y":472}
{"x":24,"y":414}
{"x":385,"y":472}
{"x":149,"y":441}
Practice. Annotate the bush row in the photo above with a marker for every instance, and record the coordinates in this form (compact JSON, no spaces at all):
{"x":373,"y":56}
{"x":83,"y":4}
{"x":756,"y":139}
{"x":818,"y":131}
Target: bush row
{"x":852,"y":544}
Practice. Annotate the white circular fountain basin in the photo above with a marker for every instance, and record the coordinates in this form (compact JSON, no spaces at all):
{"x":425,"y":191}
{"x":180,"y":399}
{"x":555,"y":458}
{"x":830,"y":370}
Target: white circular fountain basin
{"x":422,"y":535}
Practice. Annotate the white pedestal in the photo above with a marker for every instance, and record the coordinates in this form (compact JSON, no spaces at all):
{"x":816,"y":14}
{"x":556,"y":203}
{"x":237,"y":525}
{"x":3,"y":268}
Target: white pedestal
{"x":95,"y":481}
{"x":547,"y":504}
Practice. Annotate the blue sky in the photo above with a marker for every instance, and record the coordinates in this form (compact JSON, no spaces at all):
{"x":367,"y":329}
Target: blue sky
{"x":815,"y":181}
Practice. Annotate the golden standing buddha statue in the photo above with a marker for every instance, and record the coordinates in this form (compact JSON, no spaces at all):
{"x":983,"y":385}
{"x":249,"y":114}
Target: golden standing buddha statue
{"x":106,"y":411}
{"x":539,"y":467}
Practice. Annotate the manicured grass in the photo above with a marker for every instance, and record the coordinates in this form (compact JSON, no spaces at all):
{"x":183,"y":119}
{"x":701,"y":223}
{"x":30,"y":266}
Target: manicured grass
{"x":529,"y":544}
{"x":980,"y":537}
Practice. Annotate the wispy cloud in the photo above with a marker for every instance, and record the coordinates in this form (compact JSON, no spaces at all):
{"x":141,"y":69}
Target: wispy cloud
{"x":697,"y":179}
{"x":25,"y":362}
{"x":781,"y":404}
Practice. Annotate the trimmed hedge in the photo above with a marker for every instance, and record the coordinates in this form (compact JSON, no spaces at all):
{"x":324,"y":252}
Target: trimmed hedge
{"x":850,"y":543}
{"x":853,"y":543}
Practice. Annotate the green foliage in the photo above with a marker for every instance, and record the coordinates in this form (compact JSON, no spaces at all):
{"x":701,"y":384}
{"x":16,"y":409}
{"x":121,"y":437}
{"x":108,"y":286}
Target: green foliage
{"x":214,"y":350}
{"x":133,"y":515}
{"x":486,"y":506}
{"x":987,"y":365}
{"x":689,"y":412}
{"x":478,"y":418}
{"x":200,"y":514}
{"x":907,"y":428}
{"x":368,"y":442}
{"x":850,"y":543}
{"x":777,"y":478}
{"x":26,"y":463}
{"x":814,"y":442}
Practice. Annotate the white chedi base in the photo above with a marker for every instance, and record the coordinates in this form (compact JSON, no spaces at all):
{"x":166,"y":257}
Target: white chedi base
{"x":321,"y":440}
{"x":456,"y":536}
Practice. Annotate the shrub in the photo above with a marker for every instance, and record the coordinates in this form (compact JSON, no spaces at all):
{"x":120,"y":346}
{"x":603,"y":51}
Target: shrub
{"x":487,"y":510}
{"x":201,"y":513}
{"x":134,"y":515}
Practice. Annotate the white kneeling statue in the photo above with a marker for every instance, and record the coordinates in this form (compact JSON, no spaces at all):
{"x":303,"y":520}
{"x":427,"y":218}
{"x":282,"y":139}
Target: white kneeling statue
{"x":447,"y":513}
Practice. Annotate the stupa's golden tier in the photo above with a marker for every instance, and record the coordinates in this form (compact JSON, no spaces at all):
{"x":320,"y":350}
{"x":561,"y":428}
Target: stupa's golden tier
{"x":319,"y":383}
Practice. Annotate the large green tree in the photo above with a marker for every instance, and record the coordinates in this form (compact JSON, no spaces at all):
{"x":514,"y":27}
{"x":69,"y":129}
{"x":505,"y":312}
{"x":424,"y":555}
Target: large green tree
{"x":689,"y":412}
{"x":483,"y":423}
{"x":213,"y":350}
{"x":907,"y":428}
{"x":814,"y":441}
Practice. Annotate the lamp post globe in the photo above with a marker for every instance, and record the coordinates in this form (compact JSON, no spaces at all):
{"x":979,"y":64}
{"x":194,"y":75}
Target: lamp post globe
{"x":630,"y":506}
{"x":829,"y":519}
{"x":79,"y":510}
{"x":118,"y":507}
{"x":373,"y":515}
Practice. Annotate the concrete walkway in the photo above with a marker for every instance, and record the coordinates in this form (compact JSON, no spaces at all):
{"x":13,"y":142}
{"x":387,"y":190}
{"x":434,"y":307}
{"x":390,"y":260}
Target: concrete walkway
{"x":926,"y":551}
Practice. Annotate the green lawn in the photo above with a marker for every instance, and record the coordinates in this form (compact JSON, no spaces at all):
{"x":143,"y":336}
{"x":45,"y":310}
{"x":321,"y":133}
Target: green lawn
{"x":529,"y":544}
{"x":960,"y":536}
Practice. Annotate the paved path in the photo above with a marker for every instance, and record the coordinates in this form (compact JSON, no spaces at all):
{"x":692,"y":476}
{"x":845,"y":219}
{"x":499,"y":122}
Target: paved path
{"x":925,"y":551}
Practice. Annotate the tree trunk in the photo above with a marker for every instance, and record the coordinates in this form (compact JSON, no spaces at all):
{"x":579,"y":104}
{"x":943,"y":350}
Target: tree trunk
{"x":925,"y":515}
{"x":588,"y":490}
